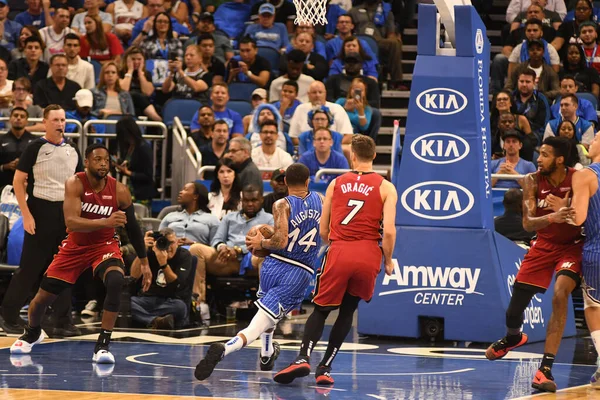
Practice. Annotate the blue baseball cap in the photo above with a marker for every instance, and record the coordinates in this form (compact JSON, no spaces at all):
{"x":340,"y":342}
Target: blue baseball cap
{"x":3,"y":2}
{"x":266,"y":8}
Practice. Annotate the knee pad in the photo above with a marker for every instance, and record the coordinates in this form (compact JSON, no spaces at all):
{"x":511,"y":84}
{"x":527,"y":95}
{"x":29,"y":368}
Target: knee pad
{"x":114,"y":282}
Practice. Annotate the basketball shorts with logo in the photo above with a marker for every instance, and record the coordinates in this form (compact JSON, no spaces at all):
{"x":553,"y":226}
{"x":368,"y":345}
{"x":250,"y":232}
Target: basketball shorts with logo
{"x":72,"y":260}
{"x":544,"y":259}
{"x":282,"y":287}
{"x":348,"y":267}
{"x":590,"y":284}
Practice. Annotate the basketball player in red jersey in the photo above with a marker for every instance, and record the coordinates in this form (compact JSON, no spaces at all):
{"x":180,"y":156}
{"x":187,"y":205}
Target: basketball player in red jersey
{"x":557,"y":247}
{"x":351,"y":222}
{"x":92,"y":207}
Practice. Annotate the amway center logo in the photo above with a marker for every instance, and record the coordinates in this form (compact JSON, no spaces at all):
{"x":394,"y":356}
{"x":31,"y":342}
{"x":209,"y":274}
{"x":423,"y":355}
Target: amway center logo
{"x":479,"y":41}
{"x":434,"y":285}
{"x":441,"y":101}
{"x":437,"y":200}
{"x":440,"y":148}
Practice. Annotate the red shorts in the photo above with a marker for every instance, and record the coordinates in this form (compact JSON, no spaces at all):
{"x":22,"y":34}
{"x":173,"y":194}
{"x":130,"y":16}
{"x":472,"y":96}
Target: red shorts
{"x":544,"y":258}
{"x":348,"y":267}
{"x":72,"y":260}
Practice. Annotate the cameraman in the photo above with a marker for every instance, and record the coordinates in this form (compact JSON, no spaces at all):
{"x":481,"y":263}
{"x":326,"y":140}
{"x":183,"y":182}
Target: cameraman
{"x":165,"y":304}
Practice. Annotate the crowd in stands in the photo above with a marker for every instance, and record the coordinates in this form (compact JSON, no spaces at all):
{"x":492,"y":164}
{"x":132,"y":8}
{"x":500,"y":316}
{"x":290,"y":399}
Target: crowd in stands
{"x":307,"y":90}
{"x":545,"y":81}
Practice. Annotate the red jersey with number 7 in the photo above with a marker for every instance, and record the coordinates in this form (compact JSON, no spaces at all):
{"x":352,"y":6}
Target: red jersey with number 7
{"x":356,"y":207}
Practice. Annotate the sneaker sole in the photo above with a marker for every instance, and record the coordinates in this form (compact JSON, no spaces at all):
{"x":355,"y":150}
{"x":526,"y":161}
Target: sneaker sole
{"x":292,"y":372}
{"x":207,"y":365}
{"x":490,"y":355}
{"x":104,"y":359}
{"x":545,"y":387}
{"x":19,"y":350}
{"x":324,"y":381}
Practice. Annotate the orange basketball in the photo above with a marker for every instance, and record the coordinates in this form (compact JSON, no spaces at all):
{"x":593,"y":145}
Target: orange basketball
{"x":267,"y":231}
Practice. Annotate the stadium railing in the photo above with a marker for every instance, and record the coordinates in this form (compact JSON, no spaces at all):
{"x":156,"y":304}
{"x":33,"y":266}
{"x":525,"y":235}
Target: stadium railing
{"x":73,"y":135}
{"x":87,"y":135}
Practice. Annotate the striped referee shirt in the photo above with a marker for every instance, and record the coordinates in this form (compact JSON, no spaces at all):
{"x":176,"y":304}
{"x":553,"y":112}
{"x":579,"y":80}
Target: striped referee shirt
{"x":48,"y":166}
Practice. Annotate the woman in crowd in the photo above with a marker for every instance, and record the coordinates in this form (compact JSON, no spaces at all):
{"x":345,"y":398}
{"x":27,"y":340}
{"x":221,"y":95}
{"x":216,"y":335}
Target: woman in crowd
{"x":315,"y":65}
{"x":189,"y":83}
{"x":109,"y":98}
{"x":357,"y":107}
{"x":97,"y":44}
{"x":136,"y":160}
{"x":502,"y":103}
{"x":162,"y":44}
{"x":138,"y":82}
{"x":225,"y":190}
{"x":576,"y":66}
{"x":6,"y":86}
{"x":578,"y":158}
{"x":352,"y":45}
{"x":26,"y":31}
{"x":194,"y":223}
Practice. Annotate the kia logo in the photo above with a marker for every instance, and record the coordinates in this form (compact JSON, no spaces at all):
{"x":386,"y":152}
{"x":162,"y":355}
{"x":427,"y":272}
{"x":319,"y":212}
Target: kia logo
{"x":441,"y":101}
{"x":440,"y":148}
{"x":437,"y":200}
{"x":479,"y":41}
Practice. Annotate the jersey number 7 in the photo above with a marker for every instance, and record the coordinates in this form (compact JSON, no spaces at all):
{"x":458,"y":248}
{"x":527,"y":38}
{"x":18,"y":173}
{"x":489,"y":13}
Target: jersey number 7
{"x":357,"y":204}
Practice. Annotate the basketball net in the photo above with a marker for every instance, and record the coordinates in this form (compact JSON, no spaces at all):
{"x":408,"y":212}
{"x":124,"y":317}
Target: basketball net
{"x":310,"y":12}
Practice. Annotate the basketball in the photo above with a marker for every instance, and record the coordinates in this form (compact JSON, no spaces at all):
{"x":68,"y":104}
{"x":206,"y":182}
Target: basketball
{"x":267,"y":231}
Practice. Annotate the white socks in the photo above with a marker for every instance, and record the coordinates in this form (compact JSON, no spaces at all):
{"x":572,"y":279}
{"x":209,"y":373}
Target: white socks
{"x":596,"y":340}
{"x":266,"y":349}
{"x":259,"y":324}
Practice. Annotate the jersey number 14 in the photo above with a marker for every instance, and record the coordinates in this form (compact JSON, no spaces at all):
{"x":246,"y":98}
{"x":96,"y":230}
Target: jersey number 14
{"x":307,"y":240}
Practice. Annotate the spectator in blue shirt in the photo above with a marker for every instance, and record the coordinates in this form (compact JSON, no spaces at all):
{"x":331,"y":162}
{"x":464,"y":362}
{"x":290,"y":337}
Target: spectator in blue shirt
{"x":288,"y":103}
{"x":511,"y":163}
{"x":322,"y":156}
{"x":219,"y":97}
{"x":319,"y":46}
{"x":33,"y":15}
{"x":585,"y":110}
{"x":320,"y":118}
{"x":267,"y":32}
{"x":143,"y":28}
{"x":352,"y":45}
{"x":345,"y":26}
{"x":10,"y":29}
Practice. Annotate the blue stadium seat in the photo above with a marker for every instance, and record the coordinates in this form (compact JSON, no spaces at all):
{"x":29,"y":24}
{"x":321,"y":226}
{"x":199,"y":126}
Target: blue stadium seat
{"x":372,"y":43}
{"x":590,"y":97}
{"x":182,"y":108}
{"x":241,"y":91}
{"x":97,"y":68}
{"x":273,"y":57}
{"x":242,"y":107}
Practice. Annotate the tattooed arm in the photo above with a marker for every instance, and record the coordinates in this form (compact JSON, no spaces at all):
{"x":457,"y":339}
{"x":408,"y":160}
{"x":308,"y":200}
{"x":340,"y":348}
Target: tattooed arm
{"x":281,"y":215}
{"x":532,"y":223}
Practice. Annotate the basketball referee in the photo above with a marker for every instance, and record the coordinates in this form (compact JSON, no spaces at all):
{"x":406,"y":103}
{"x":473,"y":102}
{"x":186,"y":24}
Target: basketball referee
{"x":39,"y":185}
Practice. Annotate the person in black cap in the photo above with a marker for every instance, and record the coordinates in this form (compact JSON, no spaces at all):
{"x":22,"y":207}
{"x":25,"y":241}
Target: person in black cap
{"x":206,"y":26}
{"x":338,"y":85}
{"x":547,"y":80}
{"x":279,"y":190}
{"x":511,"y":163}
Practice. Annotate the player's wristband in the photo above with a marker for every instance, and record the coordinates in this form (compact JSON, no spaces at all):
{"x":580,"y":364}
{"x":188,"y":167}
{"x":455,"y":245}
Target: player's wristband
{"x":164,"y":266}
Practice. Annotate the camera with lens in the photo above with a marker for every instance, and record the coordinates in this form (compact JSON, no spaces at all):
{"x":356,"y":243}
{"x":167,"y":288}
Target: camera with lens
{"x":160,"y":241}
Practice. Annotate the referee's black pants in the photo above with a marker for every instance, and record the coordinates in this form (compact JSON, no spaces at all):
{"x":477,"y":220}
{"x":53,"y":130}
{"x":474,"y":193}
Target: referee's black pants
{"x":38,"y":252}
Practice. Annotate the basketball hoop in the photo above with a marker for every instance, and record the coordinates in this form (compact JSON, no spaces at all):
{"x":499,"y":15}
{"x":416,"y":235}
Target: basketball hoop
{"x":310,"y":12}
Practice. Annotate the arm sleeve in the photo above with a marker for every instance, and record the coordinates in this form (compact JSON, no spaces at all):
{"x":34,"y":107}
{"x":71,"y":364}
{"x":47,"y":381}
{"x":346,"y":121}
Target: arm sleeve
{"x":135,"y":232}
